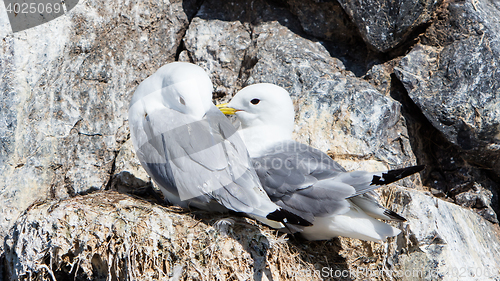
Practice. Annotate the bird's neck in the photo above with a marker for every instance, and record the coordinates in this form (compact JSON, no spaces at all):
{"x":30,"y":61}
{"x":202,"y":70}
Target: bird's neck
{"x":257,"y":139}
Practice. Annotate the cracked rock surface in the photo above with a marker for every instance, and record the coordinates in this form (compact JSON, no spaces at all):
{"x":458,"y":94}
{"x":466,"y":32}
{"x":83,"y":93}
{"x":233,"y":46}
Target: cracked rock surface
{"x":376,"y":85}
{"x":455,"y":81}
{"x":385,"y":24}
{"x":64,"y":102}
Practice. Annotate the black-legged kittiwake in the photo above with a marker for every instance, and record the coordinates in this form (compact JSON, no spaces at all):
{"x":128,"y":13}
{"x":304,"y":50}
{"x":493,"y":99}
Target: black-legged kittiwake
{"x":192,"y":151}
{"x":304,"y":180}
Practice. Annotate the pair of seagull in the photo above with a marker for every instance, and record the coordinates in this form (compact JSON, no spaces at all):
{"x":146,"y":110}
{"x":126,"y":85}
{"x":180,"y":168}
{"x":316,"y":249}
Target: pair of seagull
{"x":198,"y":159}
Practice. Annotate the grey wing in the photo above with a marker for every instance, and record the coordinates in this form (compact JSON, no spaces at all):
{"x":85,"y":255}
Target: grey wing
{"x":165,"y":148}
{"x":241,"y":186}
{"x":200,"y":161}
{"x":301,"y":179}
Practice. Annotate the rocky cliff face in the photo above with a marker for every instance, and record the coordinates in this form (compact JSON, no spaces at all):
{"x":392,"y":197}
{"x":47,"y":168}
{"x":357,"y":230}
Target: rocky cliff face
{"x":376,"y":84}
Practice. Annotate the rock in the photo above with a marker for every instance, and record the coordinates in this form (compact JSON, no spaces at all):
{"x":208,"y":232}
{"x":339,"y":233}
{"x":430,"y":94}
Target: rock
{"x":449,"y":242}
{"x":225,"y":56}
{"x":327,"y":22}
{"x":380,"y":77}
{"x":128,"y":173}
{"x":452,"y":77}
{"x":225,"y":47}
{"x":323,"y":19}
{"x":478,"y":198}
{"x":336,"y":111}
{"x":440,"y":241}
{"x":65,"y":134}
{"x":385,"y":24}
{"x":64,"y":100}
{"x":456,"y":85}
{"x":112,"y":235}
{"x":437,"y":192}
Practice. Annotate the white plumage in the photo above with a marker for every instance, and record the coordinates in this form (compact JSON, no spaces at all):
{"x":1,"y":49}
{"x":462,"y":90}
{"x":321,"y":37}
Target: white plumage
{"x":192,"y":151}
{"x":305,"y":180}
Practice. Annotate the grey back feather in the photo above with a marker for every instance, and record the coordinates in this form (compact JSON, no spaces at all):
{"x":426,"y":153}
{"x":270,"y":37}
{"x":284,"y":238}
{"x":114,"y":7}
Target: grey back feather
{"x":301,"y":179}
{"x":207,"y":155}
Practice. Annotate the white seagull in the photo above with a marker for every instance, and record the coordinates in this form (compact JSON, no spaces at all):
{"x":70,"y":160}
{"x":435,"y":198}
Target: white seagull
{"x":304,"y":180}
{"x":192,"y":151}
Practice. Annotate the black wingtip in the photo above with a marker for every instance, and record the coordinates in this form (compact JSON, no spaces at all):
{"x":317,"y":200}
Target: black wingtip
{"x":395,"y":175}
{"x":285,"y":216}
{"x":394,"y":216}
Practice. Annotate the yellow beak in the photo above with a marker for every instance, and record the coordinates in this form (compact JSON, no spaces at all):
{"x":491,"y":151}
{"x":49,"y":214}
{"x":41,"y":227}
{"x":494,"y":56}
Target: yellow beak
{"x":225,"y":109}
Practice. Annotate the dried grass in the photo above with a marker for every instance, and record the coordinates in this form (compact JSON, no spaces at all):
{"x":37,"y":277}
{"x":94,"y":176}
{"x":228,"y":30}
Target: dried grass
{"x":112,"y":236}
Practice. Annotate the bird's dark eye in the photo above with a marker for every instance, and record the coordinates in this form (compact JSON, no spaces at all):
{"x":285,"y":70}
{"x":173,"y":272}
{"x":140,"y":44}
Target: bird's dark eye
{"x":255,"y":101}
{"x":181,"y":100}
